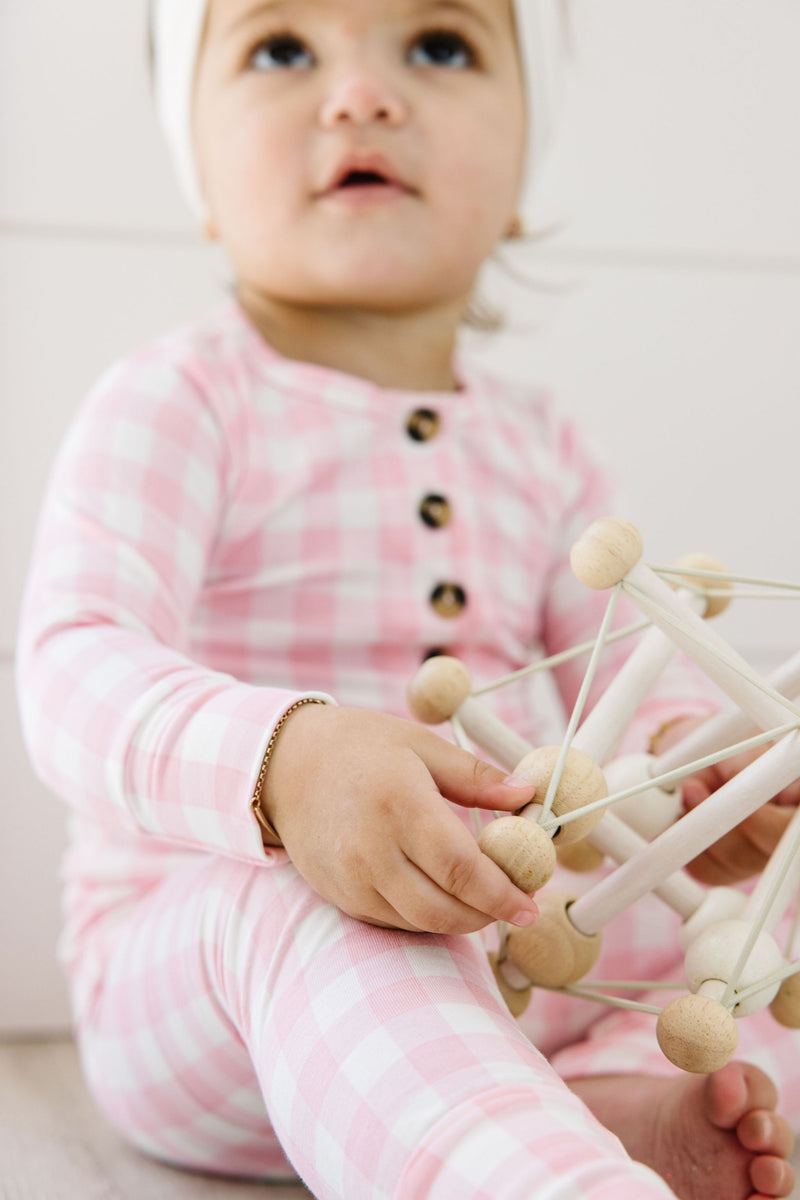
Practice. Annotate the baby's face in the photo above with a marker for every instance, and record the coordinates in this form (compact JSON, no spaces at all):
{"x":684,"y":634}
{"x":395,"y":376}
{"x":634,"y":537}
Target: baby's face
{"x":360,"y":153}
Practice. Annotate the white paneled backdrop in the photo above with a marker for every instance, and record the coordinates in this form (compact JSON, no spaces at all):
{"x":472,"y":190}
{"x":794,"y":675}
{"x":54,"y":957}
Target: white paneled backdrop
{"x":664,"y":312}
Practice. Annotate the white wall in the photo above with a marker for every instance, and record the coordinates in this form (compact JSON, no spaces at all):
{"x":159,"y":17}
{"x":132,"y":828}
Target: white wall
{"x":672,"y":333}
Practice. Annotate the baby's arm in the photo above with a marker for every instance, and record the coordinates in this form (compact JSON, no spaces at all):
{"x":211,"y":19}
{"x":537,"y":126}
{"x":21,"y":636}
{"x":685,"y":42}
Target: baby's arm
{"x":126,"y":723}
{"x":360,"y":802}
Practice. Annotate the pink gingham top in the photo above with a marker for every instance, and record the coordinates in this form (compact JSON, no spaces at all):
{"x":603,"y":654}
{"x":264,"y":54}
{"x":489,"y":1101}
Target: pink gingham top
{"x":227,"y":531}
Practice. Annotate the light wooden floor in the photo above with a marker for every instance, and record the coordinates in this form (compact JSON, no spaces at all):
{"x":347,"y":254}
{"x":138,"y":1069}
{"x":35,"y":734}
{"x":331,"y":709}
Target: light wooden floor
{"x":55,"y":1146}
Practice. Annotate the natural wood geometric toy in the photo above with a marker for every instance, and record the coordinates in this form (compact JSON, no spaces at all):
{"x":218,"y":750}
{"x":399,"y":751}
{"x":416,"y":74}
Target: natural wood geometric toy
{"x":733,"y":964}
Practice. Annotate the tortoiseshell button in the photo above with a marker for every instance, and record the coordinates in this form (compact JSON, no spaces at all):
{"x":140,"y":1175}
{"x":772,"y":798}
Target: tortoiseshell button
{"x":435,"y":511}
{"x":448,"y":599}
{"x":423,"y":424}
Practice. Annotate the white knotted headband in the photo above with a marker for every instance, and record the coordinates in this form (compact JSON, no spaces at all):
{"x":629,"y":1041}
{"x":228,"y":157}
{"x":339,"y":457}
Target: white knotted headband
{"x":177,"y":28}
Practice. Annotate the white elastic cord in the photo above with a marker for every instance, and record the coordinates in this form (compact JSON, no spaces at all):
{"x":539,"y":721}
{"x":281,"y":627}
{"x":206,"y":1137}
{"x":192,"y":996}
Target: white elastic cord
{"x":177,"y":27}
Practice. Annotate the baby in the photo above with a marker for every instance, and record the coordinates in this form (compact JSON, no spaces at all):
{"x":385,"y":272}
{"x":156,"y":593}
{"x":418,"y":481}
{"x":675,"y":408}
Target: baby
{"x":256,"y":530}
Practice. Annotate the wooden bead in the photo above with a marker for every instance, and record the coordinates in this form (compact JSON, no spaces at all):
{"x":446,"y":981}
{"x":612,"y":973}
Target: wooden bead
{"x":581,"y":783}
{"x":715,"y":953}
{"x":704,"y":562}
{"x":521,"y":849}
{"x":580,"y":857}
{"x":697,"y":1034}
{"x":553,"y":953}
{"x":785,"y":1008}
{"x":606,"y":552}
{"x":517,"y":999}
{"x":438,"y":689}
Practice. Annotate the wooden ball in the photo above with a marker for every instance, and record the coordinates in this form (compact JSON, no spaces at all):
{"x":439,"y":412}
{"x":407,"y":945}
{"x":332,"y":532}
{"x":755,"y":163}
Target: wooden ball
{"x":704,"y":562}
{"x":606,"y":552}
{"x":581,"y":783}
{"x":553,"y":953}
{"x":522,"y":849}
{"x":517,"y":999}
{"x":697,"y":1034}
{"x":785,"y":1008}
{"x":438,"y":689}
{"x":580,"y":857}
{"x":715,"y":954}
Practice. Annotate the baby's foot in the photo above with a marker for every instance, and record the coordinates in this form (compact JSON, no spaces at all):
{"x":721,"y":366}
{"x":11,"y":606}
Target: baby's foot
{"x":706,"y":1135}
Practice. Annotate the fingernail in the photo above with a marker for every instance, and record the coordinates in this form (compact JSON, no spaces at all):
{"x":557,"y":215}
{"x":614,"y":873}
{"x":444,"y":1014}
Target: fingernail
{"x":517,"y":781}
{"x":524,"y":918}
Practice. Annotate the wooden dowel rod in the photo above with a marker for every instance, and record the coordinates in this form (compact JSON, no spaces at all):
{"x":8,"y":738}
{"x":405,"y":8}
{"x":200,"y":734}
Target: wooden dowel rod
{"x":618,"y":841}
{"x":726,"y":728}
{"x":605,"y":726}
{"x":492,"y":735}
{"x":659,"y":603}
{"x":612,"y":836}
{"x":690,"y":836}
{"x":785,"y":861}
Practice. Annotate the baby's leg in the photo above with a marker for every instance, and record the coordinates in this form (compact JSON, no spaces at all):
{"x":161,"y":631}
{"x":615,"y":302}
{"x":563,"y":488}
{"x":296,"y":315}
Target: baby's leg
{"x":387,"y":1066}
{"x":689,"y":1127}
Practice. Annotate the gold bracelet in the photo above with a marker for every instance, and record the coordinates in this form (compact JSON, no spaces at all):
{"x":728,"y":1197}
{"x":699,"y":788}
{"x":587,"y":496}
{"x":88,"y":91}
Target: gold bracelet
{"x":255,"y":803}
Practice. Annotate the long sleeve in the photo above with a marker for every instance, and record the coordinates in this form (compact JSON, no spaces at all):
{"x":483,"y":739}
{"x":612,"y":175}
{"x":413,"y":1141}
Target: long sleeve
{"x":115,"y":711}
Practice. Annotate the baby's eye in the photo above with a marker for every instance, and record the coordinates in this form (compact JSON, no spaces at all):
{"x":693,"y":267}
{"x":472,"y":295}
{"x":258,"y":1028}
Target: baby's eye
{"x":283,"y":51}
{"x":441,"y":48}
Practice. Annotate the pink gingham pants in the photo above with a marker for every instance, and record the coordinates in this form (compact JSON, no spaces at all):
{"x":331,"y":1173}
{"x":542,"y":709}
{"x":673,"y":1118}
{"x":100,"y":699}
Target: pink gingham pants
{"x":244,"y":1026}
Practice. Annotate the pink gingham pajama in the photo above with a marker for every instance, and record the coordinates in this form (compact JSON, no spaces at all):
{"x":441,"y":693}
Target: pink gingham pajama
{"x":226,"y":532}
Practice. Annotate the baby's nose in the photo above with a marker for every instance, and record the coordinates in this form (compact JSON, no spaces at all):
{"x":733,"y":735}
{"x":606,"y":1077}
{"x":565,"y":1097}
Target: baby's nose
{"x":362,"y":96}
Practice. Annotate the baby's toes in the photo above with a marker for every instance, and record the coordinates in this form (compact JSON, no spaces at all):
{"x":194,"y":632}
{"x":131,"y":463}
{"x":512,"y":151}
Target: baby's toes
{"x":765,"y":1132}
{"x":771,"y":1176}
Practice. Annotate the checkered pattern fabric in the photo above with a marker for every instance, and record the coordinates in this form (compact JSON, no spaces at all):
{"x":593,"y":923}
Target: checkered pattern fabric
{"x":225,"y":532}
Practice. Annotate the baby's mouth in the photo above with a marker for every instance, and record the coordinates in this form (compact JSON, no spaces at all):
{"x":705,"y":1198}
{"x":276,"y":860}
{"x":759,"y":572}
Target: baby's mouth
{"x":355,"y":179}
{"x":370,"y":178}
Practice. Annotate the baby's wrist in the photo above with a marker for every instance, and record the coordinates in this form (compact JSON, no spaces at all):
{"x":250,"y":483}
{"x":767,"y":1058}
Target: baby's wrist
{"x":260,"y":804}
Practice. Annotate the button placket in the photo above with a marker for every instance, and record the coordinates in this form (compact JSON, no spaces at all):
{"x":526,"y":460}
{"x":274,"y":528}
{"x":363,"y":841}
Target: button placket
{"x":448,"y":598}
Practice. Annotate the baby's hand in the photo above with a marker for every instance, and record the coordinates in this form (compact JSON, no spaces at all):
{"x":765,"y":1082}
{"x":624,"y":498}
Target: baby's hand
{"x":360,"y":801}
{"x":746,"y":850}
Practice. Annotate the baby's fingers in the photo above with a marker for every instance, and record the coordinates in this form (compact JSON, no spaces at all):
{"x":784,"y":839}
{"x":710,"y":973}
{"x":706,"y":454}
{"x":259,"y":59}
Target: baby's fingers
{"x":470,"y":781}
{"x":745,"y":850}
{"x":421,"y":906}
{"x":457,"y":867}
